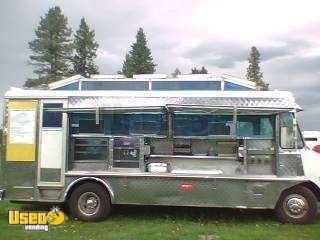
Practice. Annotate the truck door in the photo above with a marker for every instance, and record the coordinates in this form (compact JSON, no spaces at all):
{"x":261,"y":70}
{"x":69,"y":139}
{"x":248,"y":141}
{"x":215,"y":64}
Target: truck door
{"x":52,"y":144}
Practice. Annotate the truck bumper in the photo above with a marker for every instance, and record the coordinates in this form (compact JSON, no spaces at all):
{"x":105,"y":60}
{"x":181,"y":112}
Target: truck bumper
{"x":2,"y":194}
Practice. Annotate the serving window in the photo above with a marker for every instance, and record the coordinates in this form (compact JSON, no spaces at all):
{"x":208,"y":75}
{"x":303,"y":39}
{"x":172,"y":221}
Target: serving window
{"x":256,"y":126}
{"x":202,"y":125}
{"x":120,"y":124}
{"x":139,"y":124}
{"x":205,"y":125}
{"x":91,"y":126}
{"x":132,"y":139}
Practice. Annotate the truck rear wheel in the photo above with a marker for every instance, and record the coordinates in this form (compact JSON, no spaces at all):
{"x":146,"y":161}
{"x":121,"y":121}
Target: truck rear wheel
{"x":297,"y":205}
{"x":90,"y":202}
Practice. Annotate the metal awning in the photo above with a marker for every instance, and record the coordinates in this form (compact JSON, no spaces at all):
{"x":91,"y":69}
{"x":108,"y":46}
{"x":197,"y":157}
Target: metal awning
{"x":198,"y":109}
{"x":224,"y":109}
{"x":131,"y":110}
{"x":252,"y":102}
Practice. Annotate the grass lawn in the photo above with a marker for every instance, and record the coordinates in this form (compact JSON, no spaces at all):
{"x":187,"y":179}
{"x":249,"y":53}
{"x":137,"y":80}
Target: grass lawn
{"x":131,"y":222}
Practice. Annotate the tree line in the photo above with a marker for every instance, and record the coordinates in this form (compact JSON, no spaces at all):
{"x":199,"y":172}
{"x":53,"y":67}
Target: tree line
{"x":58,"y":53}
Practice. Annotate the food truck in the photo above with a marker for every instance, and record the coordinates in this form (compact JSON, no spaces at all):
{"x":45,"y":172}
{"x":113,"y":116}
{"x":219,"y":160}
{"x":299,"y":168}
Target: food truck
{"x":201,"y":148}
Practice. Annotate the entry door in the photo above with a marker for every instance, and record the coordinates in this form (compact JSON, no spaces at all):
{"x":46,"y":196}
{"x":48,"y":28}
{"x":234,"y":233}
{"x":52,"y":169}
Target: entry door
{"x":52,"y":144}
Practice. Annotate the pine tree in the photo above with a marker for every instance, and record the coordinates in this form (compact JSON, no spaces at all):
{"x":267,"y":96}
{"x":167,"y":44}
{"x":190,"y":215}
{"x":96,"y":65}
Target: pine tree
{"x":139,"y":59}
{"x":86,"y":48}
{"x":127,"y":66}
{"x":253,"y":71}
{"x":175,"y":73}
{"x":203,"y":70}
{"x":194,"y":70}
{"x":52,"y":48}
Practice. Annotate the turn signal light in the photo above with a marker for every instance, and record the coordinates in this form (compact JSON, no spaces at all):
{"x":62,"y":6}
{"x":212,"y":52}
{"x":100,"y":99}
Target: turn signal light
{"x":316,"y":148}
{"x":187,"y":186}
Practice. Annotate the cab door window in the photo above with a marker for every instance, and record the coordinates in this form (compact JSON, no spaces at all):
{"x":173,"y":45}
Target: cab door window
{"x":289,"y":131}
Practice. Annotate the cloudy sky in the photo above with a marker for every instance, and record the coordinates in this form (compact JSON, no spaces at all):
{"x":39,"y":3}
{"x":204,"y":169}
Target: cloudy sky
{"x":216,"y":34}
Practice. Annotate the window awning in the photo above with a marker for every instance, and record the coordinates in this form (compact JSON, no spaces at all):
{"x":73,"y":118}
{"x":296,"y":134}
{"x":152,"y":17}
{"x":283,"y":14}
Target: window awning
{"x":224,"y":109}
{"x":123,"y":110}
{"x":179,"y":109}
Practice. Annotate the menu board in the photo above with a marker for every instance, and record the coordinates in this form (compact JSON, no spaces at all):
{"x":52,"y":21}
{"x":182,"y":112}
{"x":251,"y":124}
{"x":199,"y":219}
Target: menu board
{"x":22,"y":126}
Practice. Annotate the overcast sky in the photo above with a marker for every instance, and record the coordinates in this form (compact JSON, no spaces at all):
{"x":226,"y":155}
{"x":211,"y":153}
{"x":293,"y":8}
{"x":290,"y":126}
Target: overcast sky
{"x":216,"y":34}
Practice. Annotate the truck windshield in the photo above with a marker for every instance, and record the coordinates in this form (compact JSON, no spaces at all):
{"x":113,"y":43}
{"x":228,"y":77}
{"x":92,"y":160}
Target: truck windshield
{"x":288,"y":131}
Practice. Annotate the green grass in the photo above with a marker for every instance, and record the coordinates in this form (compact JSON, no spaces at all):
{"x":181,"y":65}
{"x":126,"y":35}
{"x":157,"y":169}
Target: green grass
{"x":152,"y":223}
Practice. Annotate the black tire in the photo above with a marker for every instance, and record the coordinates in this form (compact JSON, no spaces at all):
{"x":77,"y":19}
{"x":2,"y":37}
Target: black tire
{"x":297,"y":205}
{"x":90,"y":202}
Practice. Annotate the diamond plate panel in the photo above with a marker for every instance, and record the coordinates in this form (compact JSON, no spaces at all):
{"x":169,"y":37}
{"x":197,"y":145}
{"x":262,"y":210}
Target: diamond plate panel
{"x":92,"y":102}
{"x":290,"y":165}
{"x":259,"y":144}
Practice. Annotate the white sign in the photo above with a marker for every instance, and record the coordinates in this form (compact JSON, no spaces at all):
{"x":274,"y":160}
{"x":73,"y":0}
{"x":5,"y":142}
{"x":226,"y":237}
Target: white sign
{"x":22,"y":126}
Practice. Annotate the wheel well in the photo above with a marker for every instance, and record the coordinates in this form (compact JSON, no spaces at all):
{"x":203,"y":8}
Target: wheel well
{"x":73,"y":185}
{"x":312,"y":187}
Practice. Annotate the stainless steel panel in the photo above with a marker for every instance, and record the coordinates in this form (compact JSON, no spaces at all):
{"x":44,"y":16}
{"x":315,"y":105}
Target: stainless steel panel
{"x":20,"y":192}
{"x":260,"y":154}
{"x":50,"y":194}
{"x":203,"y":192}
{"x":19,"y":174}
{"x":89,"y":166}
{"x":155,"y":189}
{"x":259,"y":144}
{"x":290,"y":164}
{"x":127,"y":173}
{"x":50,"y":174}
{"x":260,"y":164}
{"x":92,"y":102}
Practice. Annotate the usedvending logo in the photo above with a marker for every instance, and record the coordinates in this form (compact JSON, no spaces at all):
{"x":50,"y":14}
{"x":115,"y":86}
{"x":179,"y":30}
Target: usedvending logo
{"x":36,"y":220}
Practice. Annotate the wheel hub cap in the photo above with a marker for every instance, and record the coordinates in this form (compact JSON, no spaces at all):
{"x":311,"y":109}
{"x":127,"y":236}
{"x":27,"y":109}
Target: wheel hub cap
{"x":92,"y":202}
{"x":296,"y":206}
{"x":89,"y":203}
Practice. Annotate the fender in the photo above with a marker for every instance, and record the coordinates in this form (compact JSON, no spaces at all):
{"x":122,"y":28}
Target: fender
{"x":74,"y":182}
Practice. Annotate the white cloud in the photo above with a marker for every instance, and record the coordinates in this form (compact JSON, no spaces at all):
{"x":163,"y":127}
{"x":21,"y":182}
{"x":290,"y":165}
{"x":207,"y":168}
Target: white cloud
{"x":183,"y":34}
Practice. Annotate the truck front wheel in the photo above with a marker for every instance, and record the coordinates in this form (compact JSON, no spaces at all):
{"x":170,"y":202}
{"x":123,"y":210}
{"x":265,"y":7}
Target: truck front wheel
{"x":297,"y":205}
{"x":89,"y":202}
